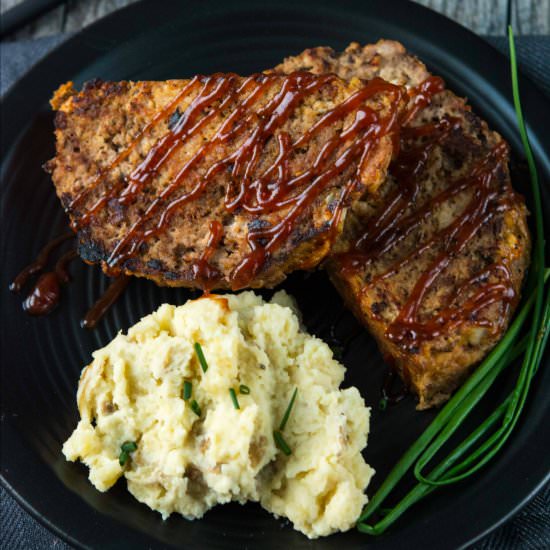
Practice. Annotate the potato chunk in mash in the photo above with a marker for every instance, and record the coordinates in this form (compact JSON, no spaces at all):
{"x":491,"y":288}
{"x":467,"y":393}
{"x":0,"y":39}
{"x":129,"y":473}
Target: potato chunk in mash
{"x":151,"y":412}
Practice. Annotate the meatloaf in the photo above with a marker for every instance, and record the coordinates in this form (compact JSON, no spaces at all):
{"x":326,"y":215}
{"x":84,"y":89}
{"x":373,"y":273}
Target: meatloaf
{"x":433,"y":265}
{"x":219,"y":181}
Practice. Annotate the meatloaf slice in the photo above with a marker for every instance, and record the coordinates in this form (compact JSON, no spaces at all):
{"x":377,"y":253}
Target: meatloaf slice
{"x":219,"y":181}
{"x":434,"y":265}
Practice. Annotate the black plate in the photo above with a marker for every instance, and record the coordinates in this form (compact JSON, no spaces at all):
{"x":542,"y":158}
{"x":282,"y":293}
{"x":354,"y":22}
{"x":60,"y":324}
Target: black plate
{"x":42,"y":357}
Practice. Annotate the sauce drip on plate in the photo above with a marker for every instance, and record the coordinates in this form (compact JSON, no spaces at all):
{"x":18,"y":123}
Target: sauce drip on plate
{"x":390,"y":395}
{"x":108,"y":298}
{"x":46,"y":291}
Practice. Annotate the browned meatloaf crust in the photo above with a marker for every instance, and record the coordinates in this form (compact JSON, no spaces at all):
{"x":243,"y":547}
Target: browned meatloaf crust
{"x":117,"y":181}
{"x":467,"y":308}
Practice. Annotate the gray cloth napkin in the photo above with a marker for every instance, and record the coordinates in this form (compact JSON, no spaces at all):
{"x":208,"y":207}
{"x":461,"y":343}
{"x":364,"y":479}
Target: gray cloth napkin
{"x":16,"y":58}
{"x":528,"y":530}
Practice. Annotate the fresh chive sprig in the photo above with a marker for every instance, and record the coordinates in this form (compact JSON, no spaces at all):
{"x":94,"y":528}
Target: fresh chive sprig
{"x":280,"y":442}
{"x":288,"y":410}
{"x":491,"y":435}
{"x":234,"y":398}
{"x":195,"y":407}
{"x":201,"y":357}
{"x":187,"y":390}
{"x":126,"y":449}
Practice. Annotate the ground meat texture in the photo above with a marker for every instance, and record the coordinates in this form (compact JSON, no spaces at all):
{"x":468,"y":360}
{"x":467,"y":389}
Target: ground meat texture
{"x":382,"y":281}
{"x":150,"y":173}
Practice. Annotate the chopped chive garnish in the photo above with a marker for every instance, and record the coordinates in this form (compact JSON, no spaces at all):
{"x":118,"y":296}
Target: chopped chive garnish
{"x":485,"y":441}
{"x":383,"y":404}
{"x":195,"y":407}
{"x":200,"y":355}
{"x":234,"y":398}
{"x":129,"y":446}
{"x":288,"y":410}
{"x":245,"y":390}
{"x":187,"y":390}
{"x":125,"y":449}
{"x":281,"y":443}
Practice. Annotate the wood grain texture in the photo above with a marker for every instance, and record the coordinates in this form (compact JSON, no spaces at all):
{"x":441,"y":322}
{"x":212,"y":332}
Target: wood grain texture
{"x":481,"y":16}
{"x":532,"y":17}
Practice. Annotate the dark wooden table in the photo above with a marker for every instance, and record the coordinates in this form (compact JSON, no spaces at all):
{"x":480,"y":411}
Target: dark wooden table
{"x":528,"y":17}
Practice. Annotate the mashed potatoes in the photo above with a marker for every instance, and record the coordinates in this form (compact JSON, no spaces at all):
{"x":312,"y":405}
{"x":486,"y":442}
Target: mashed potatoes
{"x":187,"y":455}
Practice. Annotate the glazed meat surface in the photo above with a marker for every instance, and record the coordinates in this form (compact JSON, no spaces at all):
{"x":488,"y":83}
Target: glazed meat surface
{"x":220,"y":181}
{"x":434,"y":265}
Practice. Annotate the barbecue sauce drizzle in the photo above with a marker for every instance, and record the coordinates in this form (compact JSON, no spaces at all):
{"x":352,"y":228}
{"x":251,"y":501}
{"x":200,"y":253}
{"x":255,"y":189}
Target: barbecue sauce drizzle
{"x":393,"y":224}
{"x":271,"y":190}
{"x":205,"y":274}
{"x":260,"y":195}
